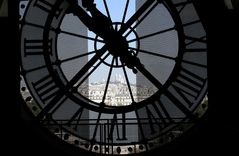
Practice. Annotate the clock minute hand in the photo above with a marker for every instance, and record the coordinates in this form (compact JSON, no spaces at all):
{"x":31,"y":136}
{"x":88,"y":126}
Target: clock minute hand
{"x":97,"y":22}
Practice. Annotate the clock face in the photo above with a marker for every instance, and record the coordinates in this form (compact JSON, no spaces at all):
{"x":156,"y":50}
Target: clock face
{"x":114,"y":77}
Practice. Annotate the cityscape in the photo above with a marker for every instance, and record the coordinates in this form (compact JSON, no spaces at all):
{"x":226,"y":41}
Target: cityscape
{"x":118,"y":92}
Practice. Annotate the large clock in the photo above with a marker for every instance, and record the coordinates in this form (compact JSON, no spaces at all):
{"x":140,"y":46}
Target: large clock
{"x":113,"y":76}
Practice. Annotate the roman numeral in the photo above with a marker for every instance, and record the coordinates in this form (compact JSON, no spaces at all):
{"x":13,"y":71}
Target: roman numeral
{"x":175,"y":100}
{"x":153,"y":121}
{"x":45,"y":88}
{"x":35,"y":47}
{"x":188,"y":83}
{"x":96,"y":128}
{"x":195,"y":39}
{"x":196,"y":50}
{"x":75,"y":119}
{"x":120,"y":128}
{"x":58,"y":99}
{"x":181,"y":5}
{"x":154,"y":118}
{"x":186,"y":89}
{"x":195,"y":44}
{"x":50,"y":94}
{"x":195,"y":64}
{"x":140,"y":125}
{"x":46,"y":6}
{"x":163,"y":114}
{"x":191,"y":23}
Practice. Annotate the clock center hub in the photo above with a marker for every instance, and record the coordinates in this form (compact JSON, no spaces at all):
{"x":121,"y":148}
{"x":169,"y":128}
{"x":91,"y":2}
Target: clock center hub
{"x":117,"y":44}
{"x":120,"y":47}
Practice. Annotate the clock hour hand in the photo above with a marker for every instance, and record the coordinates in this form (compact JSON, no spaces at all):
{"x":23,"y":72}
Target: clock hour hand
{"x":115,"y":43}
{"x":87,"y":3}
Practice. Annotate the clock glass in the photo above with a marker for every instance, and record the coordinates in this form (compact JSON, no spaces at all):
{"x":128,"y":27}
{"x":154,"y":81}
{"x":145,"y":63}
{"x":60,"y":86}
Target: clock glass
{"x":113,"y":77}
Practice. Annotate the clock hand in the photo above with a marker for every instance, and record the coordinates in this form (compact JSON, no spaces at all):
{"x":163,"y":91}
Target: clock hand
{"x":102,"y":26}
{"x":148,"y":75}
{"x":97,"y":22}
{"x":87,"y":3}
{"x":80,"y":13}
